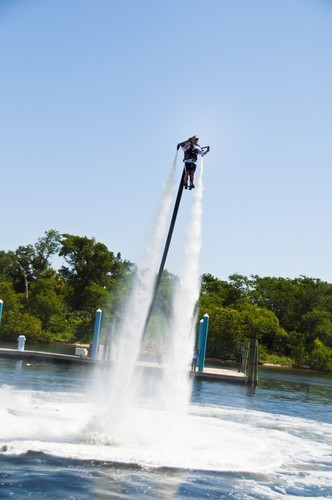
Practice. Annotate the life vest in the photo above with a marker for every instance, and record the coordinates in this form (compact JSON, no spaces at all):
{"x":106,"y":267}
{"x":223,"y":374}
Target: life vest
{"x":190,"y":154}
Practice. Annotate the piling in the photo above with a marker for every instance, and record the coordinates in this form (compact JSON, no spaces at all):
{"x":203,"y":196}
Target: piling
{"x":250,"y":361}
{"x":96,"y":334}
{"x":108,"y":343}
{"x":202,"y":341}
{"x":21,"y":342}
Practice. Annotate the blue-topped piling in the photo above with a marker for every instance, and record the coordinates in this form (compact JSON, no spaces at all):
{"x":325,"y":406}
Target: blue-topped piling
{"x":96,"y":334}
{"x":202,"y":341}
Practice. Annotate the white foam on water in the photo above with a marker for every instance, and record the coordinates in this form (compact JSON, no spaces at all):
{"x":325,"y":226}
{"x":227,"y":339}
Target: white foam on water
{"x":207,"y":438}
{"x":291,"y":456}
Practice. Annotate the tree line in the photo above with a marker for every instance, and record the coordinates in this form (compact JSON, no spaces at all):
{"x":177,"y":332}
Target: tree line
{"x":291,"y":318}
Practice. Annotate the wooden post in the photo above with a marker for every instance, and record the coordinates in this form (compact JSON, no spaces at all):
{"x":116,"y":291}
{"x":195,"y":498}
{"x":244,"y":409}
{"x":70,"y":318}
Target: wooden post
{"x":245,"y":353}
{"x":252,"y":364}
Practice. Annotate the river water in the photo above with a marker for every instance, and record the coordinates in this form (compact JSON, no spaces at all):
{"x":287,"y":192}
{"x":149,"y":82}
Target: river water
{"x":233,"y":443}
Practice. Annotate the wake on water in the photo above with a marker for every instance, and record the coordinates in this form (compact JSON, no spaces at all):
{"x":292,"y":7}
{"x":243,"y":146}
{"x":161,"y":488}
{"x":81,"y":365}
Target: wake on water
{"x":213,"y":438}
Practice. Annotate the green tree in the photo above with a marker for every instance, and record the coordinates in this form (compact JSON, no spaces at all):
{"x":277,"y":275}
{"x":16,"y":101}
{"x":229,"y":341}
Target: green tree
{"x":279,"y":295}
{"x":289,"y":299}
{"x":7,"y":265}
{"x":15,"y":321}
{"x":317,"y":324}
{"x":12,"y":270}
{"x":164,"y":299}
{"x":94,"y":278}
{"x":29,"y":262}
{"x":298,"y":350}
{"x":89,"y":272}
{"x":45,"y":248}
{"x":243,"y":285}
{"x":46,"y":299}
{"x":218,"y":292}
{"x":320,"y":357}
{"x":225,"y":332}
{"x":263,"y":325}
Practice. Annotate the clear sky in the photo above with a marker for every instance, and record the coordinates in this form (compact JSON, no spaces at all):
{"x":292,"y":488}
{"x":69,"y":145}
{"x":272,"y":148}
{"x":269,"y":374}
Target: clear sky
{"x":95,"y":95}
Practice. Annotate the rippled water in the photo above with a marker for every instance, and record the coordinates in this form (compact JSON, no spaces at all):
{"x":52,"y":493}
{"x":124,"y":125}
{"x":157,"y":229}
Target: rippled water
{"x":274,"y":442}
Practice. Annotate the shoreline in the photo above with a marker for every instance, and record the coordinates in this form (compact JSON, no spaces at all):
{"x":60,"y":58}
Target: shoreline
{"x":268,"y":365}
{"x":217,"y":362}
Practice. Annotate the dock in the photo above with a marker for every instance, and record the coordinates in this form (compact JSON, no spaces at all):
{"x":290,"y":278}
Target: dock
{"x":46,"y":357}
{"x":221,"y":375}
{"x":212,"y":374}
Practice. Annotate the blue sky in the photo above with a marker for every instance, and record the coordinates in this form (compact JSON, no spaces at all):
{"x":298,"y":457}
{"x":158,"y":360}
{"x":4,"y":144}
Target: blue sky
{"x":95,"y":95}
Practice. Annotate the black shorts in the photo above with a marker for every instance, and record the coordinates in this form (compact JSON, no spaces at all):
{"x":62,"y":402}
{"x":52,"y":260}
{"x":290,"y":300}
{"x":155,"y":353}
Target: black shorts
{"x":190,"y":167}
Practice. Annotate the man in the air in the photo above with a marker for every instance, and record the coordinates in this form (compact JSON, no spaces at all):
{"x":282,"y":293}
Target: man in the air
{"x":191,"y":150}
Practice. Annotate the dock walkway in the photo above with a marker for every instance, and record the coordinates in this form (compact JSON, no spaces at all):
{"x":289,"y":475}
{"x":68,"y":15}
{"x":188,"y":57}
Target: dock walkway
{"x":213,"y":374}
{"x":47,"y":357}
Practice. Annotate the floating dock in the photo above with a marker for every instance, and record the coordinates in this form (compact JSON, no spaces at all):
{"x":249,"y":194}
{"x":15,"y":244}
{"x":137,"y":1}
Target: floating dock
{"x":213,"y":374}
{"x":221,"y":375}
{"x":46,"y":357}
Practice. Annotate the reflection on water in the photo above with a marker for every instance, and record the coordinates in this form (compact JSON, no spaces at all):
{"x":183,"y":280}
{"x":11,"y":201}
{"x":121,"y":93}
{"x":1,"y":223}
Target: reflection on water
{"x":289,"y":392}
{"x":299,"y":386}
{"x":285,"y":391}
{"x":39,"y":375}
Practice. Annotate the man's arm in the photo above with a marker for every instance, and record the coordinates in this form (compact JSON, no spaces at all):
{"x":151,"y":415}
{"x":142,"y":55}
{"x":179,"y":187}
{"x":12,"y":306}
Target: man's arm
{"x":207,"y":148}
{"x":182,"y":144}
{"x":202,"y":151}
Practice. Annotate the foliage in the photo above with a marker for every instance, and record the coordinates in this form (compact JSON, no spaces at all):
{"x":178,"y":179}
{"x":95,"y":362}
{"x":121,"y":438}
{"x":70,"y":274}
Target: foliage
{"x":163,"y":304}
{"x":320,"y":356}
{"x":291,"y":318}
{"x":91,"y":274}
{"x":46,"y":299}
{"x":225,"y":332}
{"x":48,"y":305}
{"x":15,"y":321}
{"x":30,"y":262}
{"x":274,"y":359}
{"x":262,"y":324}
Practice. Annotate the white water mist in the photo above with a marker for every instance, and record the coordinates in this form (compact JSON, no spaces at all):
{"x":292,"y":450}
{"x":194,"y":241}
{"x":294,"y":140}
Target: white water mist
{"x":119,"y":387}
{"x":129,"y":418}
{"x":135,"y":311}
{"x":177,"y":385}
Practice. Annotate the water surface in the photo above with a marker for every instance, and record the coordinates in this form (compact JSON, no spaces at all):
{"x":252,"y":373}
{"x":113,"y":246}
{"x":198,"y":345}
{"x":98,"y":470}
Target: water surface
{"x":234,"y":443}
